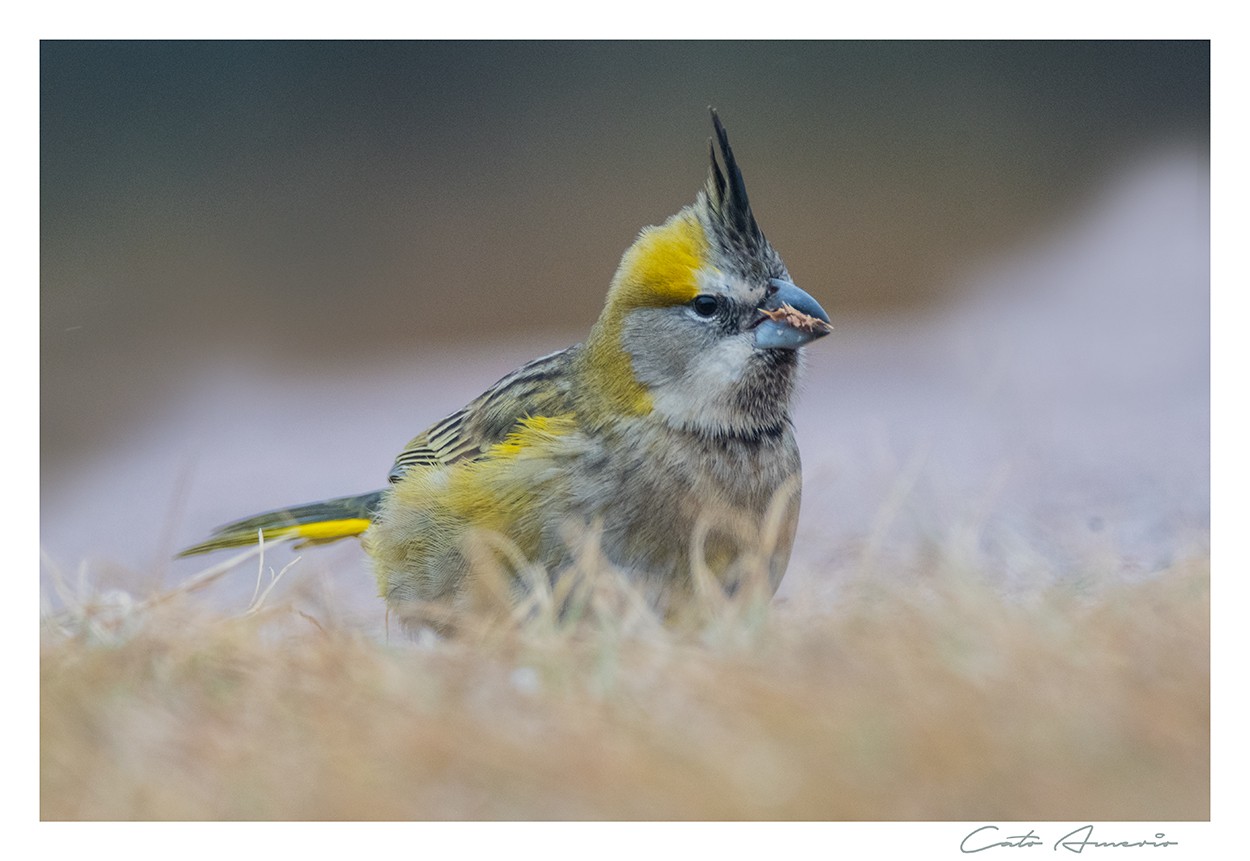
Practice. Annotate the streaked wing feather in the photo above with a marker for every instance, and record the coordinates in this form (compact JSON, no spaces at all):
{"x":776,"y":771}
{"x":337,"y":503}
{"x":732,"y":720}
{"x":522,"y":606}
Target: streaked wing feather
{"x":539,"y":387}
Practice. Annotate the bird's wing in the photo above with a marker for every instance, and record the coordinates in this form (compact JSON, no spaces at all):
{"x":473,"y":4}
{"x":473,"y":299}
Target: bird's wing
{"x":538,"y":388}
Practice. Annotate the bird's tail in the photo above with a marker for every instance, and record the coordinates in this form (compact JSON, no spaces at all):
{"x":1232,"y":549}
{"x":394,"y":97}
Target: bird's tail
{"x":314,"y":523}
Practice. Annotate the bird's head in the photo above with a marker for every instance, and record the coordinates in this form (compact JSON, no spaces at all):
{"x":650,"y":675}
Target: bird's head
{"x":702,"y":324}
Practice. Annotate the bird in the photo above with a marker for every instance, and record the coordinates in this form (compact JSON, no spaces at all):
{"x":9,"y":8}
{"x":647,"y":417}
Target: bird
{"x":666,"y":433}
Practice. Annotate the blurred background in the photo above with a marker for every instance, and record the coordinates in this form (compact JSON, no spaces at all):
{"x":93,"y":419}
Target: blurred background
{"x":266,"y":266}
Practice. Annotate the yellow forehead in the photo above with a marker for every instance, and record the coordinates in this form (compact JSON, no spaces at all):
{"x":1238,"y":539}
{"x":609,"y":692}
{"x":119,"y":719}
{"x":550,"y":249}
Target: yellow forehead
{"x":662,"y":266}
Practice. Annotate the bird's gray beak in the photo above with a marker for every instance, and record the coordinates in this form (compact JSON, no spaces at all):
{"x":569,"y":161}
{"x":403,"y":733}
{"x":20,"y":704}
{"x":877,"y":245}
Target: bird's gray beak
{"x":789,"y":318}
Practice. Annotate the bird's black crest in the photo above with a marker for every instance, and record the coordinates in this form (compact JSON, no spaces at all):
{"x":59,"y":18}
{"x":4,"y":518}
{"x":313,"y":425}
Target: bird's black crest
{"x":727,"y":192}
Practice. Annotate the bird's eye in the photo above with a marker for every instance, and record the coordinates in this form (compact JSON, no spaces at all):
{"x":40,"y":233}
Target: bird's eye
{"x":705,"y":306}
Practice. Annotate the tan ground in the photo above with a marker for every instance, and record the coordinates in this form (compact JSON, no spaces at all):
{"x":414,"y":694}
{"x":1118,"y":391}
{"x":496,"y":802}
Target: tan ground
{"x":923,"y":695}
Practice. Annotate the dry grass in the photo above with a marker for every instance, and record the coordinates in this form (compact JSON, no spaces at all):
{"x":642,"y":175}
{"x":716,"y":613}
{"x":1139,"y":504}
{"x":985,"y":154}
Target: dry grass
{"x":922,"y":694}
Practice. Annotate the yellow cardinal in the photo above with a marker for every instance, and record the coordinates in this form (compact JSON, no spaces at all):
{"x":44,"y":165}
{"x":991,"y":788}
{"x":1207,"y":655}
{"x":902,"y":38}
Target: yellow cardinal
{"x":668,"y":428}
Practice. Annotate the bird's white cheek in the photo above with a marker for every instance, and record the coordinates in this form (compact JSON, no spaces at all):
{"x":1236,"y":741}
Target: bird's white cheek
{"x":703,"y":396}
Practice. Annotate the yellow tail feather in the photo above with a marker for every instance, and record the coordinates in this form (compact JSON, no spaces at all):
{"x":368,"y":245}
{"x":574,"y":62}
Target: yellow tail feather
{"x":315,"y":523}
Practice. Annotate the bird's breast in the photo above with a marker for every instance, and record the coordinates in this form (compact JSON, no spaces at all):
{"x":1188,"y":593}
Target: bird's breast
{"x":655,"y":490}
